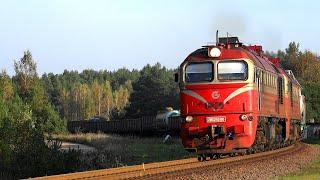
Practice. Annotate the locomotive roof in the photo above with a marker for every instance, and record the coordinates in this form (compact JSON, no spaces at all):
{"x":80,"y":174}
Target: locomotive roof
{"x":238,"y":51}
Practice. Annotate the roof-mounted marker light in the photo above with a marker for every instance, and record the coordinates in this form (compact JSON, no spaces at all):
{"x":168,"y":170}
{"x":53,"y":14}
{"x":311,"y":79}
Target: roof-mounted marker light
{"x":214,"y":52}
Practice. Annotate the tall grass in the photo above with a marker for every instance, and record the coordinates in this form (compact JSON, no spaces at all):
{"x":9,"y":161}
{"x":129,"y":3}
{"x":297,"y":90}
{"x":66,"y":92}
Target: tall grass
{"x":116,"y":150}
{"x":81,"y":138}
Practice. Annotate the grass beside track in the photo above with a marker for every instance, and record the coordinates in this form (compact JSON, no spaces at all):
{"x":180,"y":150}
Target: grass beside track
{"x":116,"y":150}
{"x":310,"y":172}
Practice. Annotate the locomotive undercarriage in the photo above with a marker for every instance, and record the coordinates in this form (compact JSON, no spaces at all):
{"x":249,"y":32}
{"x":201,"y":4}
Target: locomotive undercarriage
{"x":270,"y":135}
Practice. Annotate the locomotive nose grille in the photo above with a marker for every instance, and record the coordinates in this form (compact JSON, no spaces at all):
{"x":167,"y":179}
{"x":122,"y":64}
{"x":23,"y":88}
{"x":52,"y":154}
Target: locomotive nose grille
{"x":215,"y":105}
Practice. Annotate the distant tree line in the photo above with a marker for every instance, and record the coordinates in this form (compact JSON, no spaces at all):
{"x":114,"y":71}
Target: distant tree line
{"x":305,"y":65}
{"x":111,"y":94}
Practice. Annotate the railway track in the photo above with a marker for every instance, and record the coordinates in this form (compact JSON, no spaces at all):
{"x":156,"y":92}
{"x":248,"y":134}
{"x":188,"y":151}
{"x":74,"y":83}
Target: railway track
{"x":171,"y":169}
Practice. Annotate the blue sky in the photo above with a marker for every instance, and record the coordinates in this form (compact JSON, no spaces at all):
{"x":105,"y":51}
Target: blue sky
{"x":102,"y":34}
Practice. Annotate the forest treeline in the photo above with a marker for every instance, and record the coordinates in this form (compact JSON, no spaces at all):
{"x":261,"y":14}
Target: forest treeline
{"x":111,"y":94}
{"x":305,"y":65}
{"x":33,"y":107}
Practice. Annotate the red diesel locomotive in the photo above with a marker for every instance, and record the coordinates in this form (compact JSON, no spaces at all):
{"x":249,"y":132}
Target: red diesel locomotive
{"x":235,"y":99}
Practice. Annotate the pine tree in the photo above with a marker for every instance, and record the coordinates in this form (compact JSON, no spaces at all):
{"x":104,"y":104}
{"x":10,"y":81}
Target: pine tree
{"x":26,"y":72}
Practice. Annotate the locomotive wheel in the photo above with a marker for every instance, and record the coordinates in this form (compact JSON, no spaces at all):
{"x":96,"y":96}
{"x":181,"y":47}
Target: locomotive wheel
{"x":201,"y":157}
{"x":247,"y":152}
{"x":212,"y":156}
{"x":218,"y":156}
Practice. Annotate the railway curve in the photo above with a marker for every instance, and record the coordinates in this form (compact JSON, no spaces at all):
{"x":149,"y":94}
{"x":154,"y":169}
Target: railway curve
{"x":172,"y":169}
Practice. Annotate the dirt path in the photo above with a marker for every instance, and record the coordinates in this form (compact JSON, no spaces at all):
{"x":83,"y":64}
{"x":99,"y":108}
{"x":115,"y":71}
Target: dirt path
{"x":68,"y":145}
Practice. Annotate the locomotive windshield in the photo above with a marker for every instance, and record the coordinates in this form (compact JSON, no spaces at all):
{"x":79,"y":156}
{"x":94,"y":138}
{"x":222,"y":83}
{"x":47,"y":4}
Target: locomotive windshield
{"x":232,"y":70}
{"x":199,"y":72}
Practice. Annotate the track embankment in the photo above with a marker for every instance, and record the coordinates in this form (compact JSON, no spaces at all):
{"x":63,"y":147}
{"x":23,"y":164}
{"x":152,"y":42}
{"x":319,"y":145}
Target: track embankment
{"x":185,"y":168}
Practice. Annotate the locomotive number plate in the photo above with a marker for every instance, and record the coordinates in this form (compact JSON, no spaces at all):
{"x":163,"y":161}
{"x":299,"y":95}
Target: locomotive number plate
{"x":216,"y":119}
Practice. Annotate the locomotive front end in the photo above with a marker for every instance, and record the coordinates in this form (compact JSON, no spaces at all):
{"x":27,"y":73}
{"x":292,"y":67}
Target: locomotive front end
{"x":217,"y":100}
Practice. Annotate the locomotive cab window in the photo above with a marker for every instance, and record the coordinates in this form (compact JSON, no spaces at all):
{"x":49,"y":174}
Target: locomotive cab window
{"x":232,"y":70}
{"x":199,"y":72}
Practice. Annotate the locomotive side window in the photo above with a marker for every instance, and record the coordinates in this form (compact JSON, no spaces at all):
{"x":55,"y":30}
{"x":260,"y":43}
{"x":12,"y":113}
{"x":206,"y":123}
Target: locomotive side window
{"x":232,"y":70}
{"x":199,"y":72}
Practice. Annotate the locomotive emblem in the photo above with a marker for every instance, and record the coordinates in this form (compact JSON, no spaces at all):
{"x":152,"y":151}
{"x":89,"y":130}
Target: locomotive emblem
{"x":215,"y":95}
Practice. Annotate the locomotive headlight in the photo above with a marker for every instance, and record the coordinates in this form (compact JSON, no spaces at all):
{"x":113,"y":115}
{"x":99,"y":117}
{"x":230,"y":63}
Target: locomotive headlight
{"x":243,"y":117}
{"x":214,"y":52}
{"x":189,"y":118}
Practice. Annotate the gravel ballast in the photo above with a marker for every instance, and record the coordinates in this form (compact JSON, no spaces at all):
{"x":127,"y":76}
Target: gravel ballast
{"x":264,"y":169}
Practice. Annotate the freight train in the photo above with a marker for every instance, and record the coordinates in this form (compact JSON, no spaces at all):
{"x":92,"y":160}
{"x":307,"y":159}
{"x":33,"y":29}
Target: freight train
{"x":147,"y":125}
{"x":235,"y":99}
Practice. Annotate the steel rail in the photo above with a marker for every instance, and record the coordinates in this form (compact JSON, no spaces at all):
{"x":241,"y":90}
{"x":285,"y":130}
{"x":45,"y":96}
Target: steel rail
{"x":230,"y":164}
{"x":169,"y":168}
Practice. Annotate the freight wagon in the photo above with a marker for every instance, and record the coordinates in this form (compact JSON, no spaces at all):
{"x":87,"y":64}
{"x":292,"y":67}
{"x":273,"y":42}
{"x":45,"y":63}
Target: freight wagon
{"x":140,"y":126}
